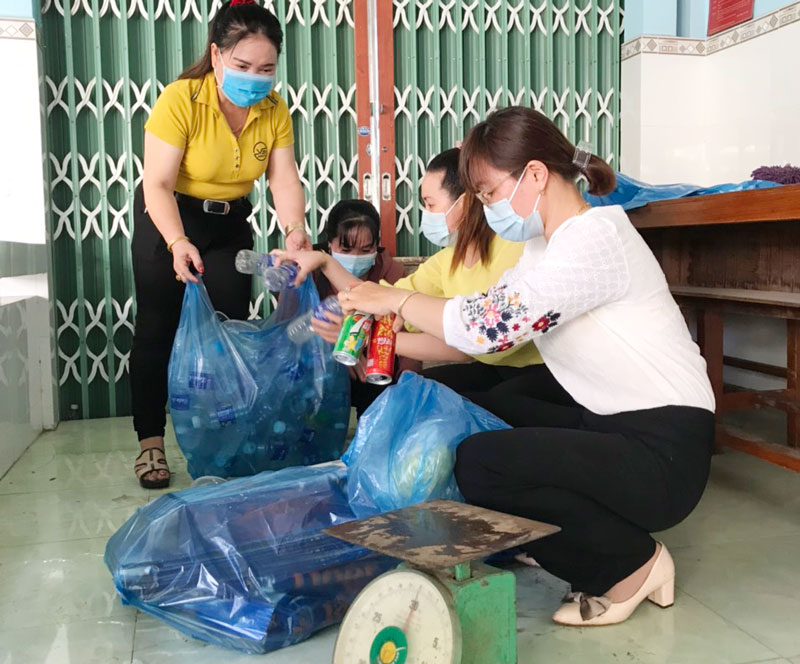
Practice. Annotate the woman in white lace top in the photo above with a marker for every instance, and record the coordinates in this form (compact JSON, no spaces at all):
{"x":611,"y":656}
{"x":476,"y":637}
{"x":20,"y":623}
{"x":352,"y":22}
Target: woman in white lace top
{"x":631,"y":455}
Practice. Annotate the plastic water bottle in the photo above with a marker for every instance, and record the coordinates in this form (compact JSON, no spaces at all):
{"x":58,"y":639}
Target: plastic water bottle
{"x":299,"y":330}
{"x":276,"y":278}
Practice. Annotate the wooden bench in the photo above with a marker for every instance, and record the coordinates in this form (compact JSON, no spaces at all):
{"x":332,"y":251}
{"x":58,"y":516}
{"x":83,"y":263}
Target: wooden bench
{"x":736,"y":253}
{"x":411,"y":263}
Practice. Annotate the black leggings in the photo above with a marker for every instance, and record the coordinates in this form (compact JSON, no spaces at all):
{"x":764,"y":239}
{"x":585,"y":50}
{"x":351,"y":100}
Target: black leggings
{"x":607,"y":481}
{"x":159,"y":296}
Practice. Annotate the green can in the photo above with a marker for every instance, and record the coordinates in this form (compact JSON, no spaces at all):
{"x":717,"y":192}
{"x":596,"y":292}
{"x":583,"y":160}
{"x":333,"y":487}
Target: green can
{"x":353,"y":337}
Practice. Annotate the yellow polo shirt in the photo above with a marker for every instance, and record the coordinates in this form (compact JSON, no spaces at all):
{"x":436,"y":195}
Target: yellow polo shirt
{"x":217,"y":165}
{"x":434,"y":278}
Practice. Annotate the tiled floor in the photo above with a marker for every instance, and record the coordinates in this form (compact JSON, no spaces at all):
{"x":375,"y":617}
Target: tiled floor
{"x":738,"y":559}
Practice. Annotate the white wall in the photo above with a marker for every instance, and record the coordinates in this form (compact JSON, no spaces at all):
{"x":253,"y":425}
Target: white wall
{"x":27,"y":361}
{"x":707,"y":119}
{"x":711,"y":111}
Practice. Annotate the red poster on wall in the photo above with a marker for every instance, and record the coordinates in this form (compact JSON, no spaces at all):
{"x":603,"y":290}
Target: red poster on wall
{"x":724,"y":14}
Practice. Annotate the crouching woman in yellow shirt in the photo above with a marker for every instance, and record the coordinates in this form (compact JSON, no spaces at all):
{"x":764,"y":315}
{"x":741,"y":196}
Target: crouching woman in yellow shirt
{"x":474,"y":257}
{"x":211,"y":134}
{"x":472,"y":260}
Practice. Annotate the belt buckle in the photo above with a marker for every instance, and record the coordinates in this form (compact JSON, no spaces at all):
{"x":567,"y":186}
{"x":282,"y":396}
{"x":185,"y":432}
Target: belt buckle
{"x":216,"y":207}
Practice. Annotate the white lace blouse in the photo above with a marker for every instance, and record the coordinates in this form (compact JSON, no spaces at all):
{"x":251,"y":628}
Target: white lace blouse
{"x":597,"y":304}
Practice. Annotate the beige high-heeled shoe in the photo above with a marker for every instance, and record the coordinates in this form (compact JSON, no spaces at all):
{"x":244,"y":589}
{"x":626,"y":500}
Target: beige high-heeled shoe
{"x":586,"y":611}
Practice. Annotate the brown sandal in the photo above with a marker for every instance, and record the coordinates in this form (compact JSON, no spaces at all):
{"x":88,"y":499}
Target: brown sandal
{"x":155,"y":460}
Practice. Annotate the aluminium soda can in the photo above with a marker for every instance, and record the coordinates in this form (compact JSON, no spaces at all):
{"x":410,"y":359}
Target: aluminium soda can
{"x":380,"y":354}
{"x":353,"y":338}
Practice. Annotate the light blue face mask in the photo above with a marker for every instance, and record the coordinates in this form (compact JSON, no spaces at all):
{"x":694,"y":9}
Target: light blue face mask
{"x":508,"y":224}
{"x":357,"y":265}
{"x":434,"y":226}
{"x":245,"y":89}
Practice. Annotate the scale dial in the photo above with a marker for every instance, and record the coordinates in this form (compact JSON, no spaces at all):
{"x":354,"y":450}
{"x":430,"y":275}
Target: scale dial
{"x":402,"y":617}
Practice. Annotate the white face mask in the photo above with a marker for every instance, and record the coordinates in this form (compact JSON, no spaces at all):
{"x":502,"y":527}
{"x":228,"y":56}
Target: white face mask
{"x":356,"y":264}
{"x":510,"y":226}
{"x":434,"y":226}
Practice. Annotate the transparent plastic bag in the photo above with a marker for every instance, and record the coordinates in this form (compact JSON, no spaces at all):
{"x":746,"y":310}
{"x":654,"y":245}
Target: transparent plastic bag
{"x":244,"y":398}
{"x":404,"y":449}
{"x":631,"y":193}
{"x":243,"y":564}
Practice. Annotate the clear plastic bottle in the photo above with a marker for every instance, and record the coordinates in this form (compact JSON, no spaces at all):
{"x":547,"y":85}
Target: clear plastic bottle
{"x":275,"y":278}
{"x":299,"y":330}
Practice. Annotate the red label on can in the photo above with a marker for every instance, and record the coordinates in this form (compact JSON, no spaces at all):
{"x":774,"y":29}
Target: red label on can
{"x":380,"y":356}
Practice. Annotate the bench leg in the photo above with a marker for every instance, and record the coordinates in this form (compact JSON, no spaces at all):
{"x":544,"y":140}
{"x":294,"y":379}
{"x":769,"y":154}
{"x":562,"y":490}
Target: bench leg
{"x":709,"y":338}
{"x":792,"y":376}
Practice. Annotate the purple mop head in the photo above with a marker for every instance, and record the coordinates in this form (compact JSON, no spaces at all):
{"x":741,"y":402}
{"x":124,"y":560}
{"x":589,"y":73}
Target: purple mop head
{"x":780,"y":174}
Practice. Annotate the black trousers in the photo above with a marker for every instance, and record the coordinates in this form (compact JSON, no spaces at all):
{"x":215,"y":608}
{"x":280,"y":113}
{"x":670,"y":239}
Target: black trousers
{"x":472,"y":379}
{"x":607,"y":481}
{"x":475,"y":380}
{"x":159,"y":296}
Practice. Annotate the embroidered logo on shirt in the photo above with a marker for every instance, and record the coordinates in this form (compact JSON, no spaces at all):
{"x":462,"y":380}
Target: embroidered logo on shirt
{"x":260,"y":151}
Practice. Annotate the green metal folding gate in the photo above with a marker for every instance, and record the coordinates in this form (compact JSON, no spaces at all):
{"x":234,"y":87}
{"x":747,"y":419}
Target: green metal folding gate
{"x":457,"y":60}
{"x":105,"y":62}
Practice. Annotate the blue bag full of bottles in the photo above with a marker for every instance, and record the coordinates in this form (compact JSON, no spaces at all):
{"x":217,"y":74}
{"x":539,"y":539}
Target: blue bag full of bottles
{"x":404,"y":449}
{"x":244,"y":564}
{"x":244,"y":398}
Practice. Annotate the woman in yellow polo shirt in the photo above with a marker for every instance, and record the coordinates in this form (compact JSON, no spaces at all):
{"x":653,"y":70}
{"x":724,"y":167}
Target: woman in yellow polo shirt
{"x":210,"y":135}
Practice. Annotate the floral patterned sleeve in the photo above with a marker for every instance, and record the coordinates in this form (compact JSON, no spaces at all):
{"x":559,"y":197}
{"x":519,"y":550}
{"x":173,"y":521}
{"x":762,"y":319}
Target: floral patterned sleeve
{"x":583,"y":267}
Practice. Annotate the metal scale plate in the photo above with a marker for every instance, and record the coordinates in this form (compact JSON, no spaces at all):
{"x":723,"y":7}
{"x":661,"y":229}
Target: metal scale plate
{"x":442,"y":606}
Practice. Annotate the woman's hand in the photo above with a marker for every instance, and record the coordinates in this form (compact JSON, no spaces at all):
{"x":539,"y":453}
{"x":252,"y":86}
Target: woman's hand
{"x":307,"y":261}
{"x":184,"y":255}
{"x":297,"y":240}
{"x":372,"y":298}
{"x":329,"y":331}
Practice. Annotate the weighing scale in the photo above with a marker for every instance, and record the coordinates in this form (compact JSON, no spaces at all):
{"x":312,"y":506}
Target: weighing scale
{"x":441,"y":605}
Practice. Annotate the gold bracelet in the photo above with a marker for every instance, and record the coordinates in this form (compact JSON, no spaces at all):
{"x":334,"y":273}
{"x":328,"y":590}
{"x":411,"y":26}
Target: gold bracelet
{"x":403,"y":301}
{"x":176,"y":240}
{"x":299,"y":226}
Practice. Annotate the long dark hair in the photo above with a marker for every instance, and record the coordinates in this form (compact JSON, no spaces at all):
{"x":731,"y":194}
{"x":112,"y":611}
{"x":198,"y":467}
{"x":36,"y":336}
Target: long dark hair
{"x":232,"y":24}
{"x":511,"y":137}
{"x":473,"y":230}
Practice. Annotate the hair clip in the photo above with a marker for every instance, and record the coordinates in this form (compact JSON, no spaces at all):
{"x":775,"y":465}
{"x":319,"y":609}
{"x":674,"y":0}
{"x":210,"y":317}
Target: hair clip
{"x":235,"y":3}
{"x":582,"y":156}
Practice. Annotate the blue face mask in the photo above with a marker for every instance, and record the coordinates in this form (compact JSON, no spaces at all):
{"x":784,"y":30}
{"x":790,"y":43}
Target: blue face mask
{"x":245,"y":89}
{"x":508,"y":224}
{"x":434,"y":226}
{"x":357,"y":265}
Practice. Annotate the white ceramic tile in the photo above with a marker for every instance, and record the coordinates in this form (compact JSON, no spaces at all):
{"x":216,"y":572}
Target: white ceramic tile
{"x":16,"y":430}
{"x":746,"y":499}
{"x":673,"y":90}
{"x":106,"y":641}
{"x":21,"y":188}
{"x":55,"y":583}
{"x":751,"y":583}
{"x":54,"y":516}
{"x":738,"y":107}
{"x":673,"y":154}
{"x":155,"y":643}
{"x":687,"y":632}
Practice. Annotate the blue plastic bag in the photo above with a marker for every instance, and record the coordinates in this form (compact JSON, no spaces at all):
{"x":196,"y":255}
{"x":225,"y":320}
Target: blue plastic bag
{"x":404,"y":449}
{"x":243,"y":398}
{"x":243,"y":564}
{"x":630,"y":193}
